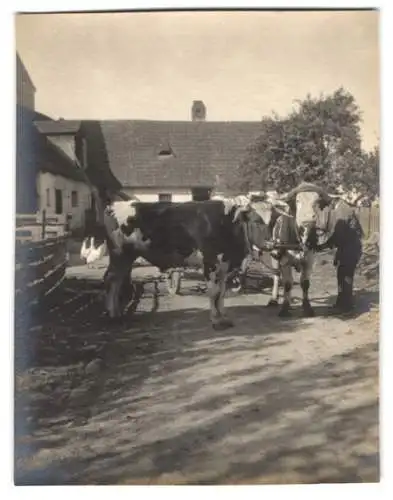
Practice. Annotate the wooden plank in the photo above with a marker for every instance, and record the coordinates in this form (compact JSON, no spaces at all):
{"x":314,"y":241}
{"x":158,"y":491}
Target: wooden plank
{"x":35,"y":250}
{"x":27,"y":220}
{"x":36,"y":291}
{"x":36,"y":270}
{"x":40,"y":268}
{"x":23,"y":301}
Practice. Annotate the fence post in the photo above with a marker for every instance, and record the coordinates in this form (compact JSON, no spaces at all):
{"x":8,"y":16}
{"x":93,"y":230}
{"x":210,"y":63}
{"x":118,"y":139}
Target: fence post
{"x":67,"y":223}
{"x":43,"y":224}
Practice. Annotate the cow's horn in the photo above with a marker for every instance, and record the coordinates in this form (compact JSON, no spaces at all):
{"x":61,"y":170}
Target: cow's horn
{"x":303,"y":188}
{"x":282,"y":212}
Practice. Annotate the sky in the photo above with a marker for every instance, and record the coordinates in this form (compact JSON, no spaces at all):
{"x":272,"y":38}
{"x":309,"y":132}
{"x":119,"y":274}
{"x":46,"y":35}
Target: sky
{"x":243,"y":65}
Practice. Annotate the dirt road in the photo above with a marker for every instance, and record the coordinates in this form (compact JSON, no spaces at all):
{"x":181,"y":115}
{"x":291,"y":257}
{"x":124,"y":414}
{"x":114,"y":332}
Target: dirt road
{"x":163,"y":398}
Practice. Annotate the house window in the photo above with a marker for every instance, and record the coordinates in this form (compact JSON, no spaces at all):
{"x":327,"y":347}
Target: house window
{"x":165,"y":151}
{"x":201,"y":194}
{"x":74,"y":199}
{"x":47,"y":197}
{"x":164,"y":197}
{"x":58,"y":201}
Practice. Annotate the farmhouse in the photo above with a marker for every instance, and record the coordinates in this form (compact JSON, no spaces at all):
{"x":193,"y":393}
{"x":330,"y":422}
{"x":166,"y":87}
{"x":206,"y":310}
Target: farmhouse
{"x":156,"y":160}
{"x":46,"y":176}
{"x":152,"y":160}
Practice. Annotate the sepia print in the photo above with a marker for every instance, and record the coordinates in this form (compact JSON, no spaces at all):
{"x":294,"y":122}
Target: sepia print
{"x":197,"y":247}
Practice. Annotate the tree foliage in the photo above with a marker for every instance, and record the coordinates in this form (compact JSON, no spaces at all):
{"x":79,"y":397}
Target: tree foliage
{"x":361,"y":173}
{"x":319,"y":141}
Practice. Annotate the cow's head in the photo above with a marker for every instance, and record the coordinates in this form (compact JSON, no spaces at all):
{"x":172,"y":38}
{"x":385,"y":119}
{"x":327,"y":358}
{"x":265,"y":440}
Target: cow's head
{"x":122,"y":227}
{"x":306,"y":203}
{"x":116,"y":231}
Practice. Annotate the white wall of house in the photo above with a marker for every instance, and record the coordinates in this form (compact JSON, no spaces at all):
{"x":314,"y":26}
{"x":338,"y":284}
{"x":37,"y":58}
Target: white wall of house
{"x":152,"y":194}
{"x":73,"y":204}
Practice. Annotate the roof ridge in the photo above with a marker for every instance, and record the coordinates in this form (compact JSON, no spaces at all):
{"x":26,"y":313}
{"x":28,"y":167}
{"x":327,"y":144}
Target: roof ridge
{"x":147,"y":120}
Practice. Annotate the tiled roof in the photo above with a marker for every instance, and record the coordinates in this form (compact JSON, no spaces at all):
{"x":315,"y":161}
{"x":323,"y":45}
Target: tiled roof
{"x":202,"y":150}
{"x":44,"y":155}
{"x":55,"y":161}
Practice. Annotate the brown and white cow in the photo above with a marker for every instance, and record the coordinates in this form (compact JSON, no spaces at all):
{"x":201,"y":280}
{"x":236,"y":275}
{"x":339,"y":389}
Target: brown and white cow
{"x":165,"y":234}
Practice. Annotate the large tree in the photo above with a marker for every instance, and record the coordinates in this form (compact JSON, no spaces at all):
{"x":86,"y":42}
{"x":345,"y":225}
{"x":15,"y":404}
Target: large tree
{"x":360,"y":173}
{"x":316,"y":142}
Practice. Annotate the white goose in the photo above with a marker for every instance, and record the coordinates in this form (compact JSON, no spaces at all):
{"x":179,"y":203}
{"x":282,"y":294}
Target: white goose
{"x":92,"y":253}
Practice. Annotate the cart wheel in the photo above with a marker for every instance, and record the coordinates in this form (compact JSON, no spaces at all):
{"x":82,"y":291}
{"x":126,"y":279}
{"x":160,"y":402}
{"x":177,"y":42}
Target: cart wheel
{"x":174,"y":283}
{"x":235,"y":284}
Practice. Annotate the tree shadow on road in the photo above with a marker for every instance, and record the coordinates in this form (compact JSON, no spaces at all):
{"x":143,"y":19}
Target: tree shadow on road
{"x":364,"y":301}
{"x":168,"y":395}
{"x":263,"y":426}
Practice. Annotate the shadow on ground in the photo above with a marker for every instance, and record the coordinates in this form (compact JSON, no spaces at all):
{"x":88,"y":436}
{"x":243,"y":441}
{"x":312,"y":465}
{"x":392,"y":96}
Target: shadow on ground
{"x":171,"y":400}
{"x":296,"y":426}
{"x":163,"y":398}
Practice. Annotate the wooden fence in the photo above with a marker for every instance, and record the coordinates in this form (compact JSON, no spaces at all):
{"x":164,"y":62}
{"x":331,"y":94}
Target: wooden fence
{"x":39,"y":226}
{"x":369,"y":219}
{"x":40,"y":257}
{"x":39,"y":269}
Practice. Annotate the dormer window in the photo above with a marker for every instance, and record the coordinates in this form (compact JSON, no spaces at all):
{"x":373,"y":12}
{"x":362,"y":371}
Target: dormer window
{"x":165,"y":151}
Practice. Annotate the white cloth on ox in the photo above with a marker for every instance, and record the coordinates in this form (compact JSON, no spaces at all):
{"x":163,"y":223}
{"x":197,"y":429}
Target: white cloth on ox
{"x":121,"y":211}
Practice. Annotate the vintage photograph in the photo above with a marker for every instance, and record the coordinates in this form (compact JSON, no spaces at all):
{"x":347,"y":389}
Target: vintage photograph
{"x":197,"y":247}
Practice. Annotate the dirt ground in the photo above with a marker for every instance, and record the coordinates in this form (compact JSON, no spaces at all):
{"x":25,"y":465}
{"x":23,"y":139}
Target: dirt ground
{"x":163,"y":398}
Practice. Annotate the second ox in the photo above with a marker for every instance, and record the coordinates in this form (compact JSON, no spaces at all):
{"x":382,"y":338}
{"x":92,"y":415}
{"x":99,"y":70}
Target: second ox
{"x":287,"y":249}
{"x":296,"y":219}
{"x":312,"y":212}
{"x":317,"y":210}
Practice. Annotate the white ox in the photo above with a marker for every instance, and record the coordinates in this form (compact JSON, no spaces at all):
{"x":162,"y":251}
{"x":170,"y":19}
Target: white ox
{"x":288,"y":249}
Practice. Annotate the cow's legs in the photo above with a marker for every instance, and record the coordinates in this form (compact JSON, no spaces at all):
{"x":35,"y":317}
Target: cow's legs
{"x":216,"y":288}
{"x":223,"y":270}
{"x":276,"y":281}
{"x":305,"y":275}
{"x":287,"y":278}
{"x":116,"y":283}
{"x":276,"y":266}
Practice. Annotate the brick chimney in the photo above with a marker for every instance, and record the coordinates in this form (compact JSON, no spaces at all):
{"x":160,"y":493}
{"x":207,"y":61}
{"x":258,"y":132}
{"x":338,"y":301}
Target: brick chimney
{"x":198,"y":111}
